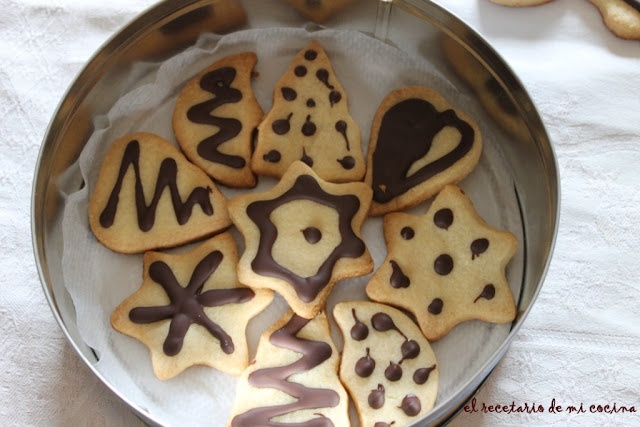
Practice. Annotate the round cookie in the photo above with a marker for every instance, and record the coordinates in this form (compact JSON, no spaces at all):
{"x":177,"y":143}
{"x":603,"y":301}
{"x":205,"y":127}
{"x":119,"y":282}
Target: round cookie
{"x":446,"y":267}
{"x":310,"y":121}
{"x":302,"y":237}
{"x":293,"y":379}
{"x":149,"y":196}
{"x":190,"y":309}
{"x":419,"y":143}
{"x":214,"y":119}
{"x":387,"y":364}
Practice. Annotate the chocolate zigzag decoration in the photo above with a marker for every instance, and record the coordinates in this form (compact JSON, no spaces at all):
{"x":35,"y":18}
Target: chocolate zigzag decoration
{"x":186,"y":303}
{"x":218,"y":82}
{"x":166,"y":178}
{"x":313,"y":354}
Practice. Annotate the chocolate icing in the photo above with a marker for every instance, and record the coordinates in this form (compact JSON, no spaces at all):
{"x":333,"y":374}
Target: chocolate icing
{"x":347,"y":162}
{"x":393,"y":372}
{"x":272,"y":156}
{"x":398,"y":278}
{"x":167,"y":176}
{"x":376,"y":397}
{"x":420,"y":376}
{"x":310,"y":55}
{"x":359,"y":331}
{"x":313,"y":353}
{"x":305,"y":188}
{"x":186,"y":303}
{"x":323,"y":76}
{"x":308,"y":128}
{"x":289,"y":94}
{"x":282,"y":126}
{"x":365,"y":365}
{"x":334,"y":97}
{"x":479,"y":246}
{"x":407,"y":233}
{"x":218,"y":82}
{"x":436,"y":306}
{"x":406,"y":133}
{"x":443,"y":218}
{"x":443,"y":264}
{"x":411,"y":405}
{"x":341,"y":126}
{"x":300,"y":71}
{"x":312,"y":235}
{"x":488,"y":292}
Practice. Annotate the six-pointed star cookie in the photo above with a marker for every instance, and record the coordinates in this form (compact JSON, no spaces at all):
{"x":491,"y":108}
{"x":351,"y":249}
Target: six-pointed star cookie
{"x":191,"y":310}
{"x":446,"y":267}
{"x":302,"y":237}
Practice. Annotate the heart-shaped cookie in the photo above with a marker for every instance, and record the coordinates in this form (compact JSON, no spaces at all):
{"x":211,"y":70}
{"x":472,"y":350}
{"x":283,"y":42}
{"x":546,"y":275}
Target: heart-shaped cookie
{"x":419,"y":143}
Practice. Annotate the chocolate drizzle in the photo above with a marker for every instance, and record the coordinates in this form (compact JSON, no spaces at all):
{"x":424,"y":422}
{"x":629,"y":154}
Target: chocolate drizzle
{"x":167,"y":176}
{"x":282,"y":126}
{"x":359,"y":331}
{"x":323,"y":76}
{"x":312,"y":235}
{"x":420,"y":376}
{"x":218,"y":82}
{"x":376,"y":397}
{"x":341,"y":126}
{"x":313,"y":353}
{"x":305,"y":188}
{"x":398,"y":278}
{"x":411,"y":405}
{"x":443,"y":218}
{"x":488,"y":292}
{"x":406,"y":133}
{"x":479,"y":246}
{"x":365,"y":365}
{"x":186,"y":303}
{"x":347,"y":162}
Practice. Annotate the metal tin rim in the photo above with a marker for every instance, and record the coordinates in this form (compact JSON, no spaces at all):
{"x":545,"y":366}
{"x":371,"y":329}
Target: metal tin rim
{"x":424,"y":9}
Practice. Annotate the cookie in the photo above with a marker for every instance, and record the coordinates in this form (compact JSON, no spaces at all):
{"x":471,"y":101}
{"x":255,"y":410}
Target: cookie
{"x":149,"y":196}
{"x":319,"y":10}
{"x":293,"y":379}
{"x":419,"y":143}
{"x":191,"y":310}
{"x":214,"y":119}
{"x":446,"y":267}
{"x":520,"y":3}
{"x":387,"y":365}
{"x":622,"y":17}
{"x":310,"y":121}
{"x":302,"y":237}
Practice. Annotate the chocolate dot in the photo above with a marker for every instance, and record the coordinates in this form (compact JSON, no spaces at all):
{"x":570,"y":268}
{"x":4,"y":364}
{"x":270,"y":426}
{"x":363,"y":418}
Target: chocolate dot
{"x":334,"y":97}
{"x":376,"y":397}
{"x":488,"y":292}
{"x":272,"y":156}
{"x":478,"y":247}
{"x":306,"y":158}
{"x":359,"y":331}
{"x":398,"y":279}
{"x":411,"y":405}
{"x":347,"y":162}
{"x":323,"y":76}
{"x":311,"y":103}
{"x":308,"y":128}
{"x":365,"y":365}
{"x":420,"y":376}
{"x":312,"y":235}
{"x":443,"y":265}
{"x":341,"y":126}
{"x":410,"y":349}
{"x":443,"y":218}
{"x":281,"y":126}
{"x":393,"y":372}
{"x":289,"y":94}
{"x":310,"y":55}
{"x":436,"y":306}
{"x":314,"y":3}
{"x":300,"y":71}
{"x":382,"y":322}
{"x":407,"y":233}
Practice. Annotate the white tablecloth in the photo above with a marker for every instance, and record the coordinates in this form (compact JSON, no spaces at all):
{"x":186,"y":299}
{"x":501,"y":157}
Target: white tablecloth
{"x":580,"y":342}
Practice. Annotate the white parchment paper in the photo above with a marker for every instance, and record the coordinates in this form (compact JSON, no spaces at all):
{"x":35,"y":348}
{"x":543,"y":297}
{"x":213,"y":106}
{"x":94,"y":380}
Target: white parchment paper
{"x":99,"y":279}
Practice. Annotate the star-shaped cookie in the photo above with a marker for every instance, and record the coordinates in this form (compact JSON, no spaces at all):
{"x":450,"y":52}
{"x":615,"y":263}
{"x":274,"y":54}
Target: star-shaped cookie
{"x":302,"y":237}
{"x":191,"y":310}
{"x":446,"y":267}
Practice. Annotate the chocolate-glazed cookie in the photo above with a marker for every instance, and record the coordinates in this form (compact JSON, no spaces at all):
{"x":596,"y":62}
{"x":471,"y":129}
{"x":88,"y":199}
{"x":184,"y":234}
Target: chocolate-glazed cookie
{"x":292,"y":346}
{"x":402,"y":384}
{"x":465,"y":278}
{"x":302,"y":237}
{"x":200,"y":321}
{"x":214,"y":117}
{"x":419,"y":143}
{"x":310,"y":121}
